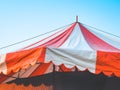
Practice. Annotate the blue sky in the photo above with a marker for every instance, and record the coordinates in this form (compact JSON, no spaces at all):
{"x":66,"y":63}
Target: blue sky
{"x":23,"y":19}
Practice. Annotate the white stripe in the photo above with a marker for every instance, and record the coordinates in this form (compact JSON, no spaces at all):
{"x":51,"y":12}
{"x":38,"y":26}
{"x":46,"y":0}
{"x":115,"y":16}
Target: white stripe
{"x":110,"y":39}
{"x":3,"y":67}
{"x":76,"y":41}
{"x":83,"y":59}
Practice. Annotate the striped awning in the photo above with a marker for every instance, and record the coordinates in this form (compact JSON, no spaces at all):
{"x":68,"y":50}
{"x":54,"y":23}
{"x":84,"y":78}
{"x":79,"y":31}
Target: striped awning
{"x":76,"y":46}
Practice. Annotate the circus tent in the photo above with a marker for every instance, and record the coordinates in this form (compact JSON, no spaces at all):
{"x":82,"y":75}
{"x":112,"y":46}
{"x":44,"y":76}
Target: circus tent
{"x":75,"y":48}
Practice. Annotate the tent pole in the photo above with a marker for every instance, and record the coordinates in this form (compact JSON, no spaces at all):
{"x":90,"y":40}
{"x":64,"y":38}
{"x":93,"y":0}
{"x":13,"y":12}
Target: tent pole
{"x":76,"y":18}
{"x":76,"y":70}
{"x":53,"y":77}
{"x":19,"y":73}
{"x":61,"y":69}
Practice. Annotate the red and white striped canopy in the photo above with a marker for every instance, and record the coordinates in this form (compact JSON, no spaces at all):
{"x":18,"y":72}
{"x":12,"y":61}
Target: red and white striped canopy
{"x":76,"y":46}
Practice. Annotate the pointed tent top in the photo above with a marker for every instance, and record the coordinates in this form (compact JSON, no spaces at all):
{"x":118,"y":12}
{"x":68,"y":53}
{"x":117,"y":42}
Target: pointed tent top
{"x":76,"y":18}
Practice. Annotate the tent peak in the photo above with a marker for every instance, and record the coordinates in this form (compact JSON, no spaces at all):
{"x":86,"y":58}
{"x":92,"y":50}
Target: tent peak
{"x":76,"y":18}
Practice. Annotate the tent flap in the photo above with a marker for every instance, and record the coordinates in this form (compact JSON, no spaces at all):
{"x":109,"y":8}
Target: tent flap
{"x":22,"y":59}
{"x":108,"y":63}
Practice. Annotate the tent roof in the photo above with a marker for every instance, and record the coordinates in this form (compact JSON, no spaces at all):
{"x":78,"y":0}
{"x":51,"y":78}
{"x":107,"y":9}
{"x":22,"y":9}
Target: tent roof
{"x":75,"y":46}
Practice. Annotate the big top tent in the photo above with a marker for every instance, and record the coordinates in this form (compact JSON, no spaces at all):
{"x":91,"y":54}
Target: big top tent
{"x":76,"y":50}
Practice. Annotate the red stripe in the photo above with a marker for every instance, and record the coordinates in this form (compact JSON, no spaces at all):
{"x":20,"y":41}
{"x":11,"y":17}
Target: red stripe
{"x":43,"y":67}
{"x":95,"y":42}
{"x":56,"y":41}
{"x":60,"y":39}
{"x":108,"y":63}
{"x":39,"y":41}
{"x":4,"y":77}
{"x":22,"y":59}
{"x":63,"y":68}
